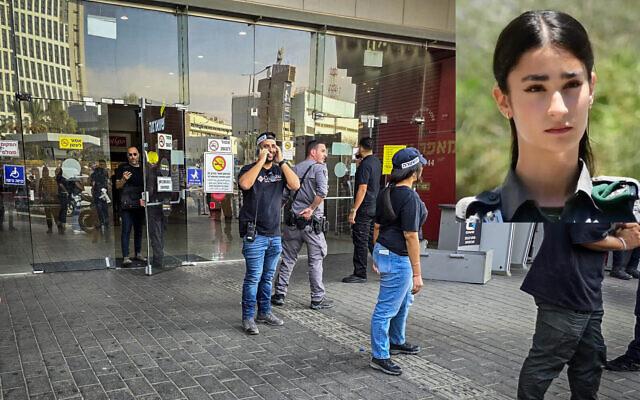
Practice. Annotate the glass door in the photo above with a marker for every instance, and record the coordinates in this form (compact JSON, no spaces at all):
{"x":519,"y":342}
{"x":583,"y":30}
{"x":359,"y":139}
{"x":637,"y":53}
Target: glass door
{"x":15,"y":233}
{"x":69,"y":192}
{"x":163,"y":133}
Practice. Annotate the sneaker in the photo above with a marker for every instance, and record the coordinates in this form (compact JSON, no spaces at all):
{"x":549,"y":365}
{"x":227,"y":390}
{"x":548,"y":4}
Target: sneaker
{"x":623,"y":364}
{"x":126,"y":262}
{"x":354,"y":279}
{"x":322,"y":304}
{"x":634,"y":273}
{"x":139,"y":257}
{"x":405,"y":348}
{"x":277,"y":299}
{"x":250,"y":327}
{"x":269,"y":319}
{"x":620,"y":275}
{"x":385,"y":365}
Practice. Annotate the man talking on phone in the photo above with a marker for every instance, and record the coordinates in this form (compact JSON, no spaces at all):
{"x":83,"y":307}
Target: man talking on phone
{"x":129,"y":181}
{"x":262,"y":184}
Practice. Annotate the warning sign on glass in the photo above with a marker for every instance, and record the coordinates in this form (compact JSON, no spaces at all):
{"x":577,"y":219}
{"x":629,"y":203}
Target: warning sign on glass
{"x":218,"y":173}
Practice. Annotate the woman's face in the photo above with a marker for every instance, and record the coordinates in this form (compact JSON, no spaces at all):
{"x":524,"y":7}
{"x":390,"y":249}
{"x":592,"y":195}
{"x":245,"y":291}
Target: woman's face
{"x":549,"y":99}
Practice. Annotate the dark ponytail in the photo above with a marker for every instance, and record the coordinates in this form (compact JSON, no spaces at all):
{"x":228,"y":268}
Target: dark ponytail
{"x":397,"y":175}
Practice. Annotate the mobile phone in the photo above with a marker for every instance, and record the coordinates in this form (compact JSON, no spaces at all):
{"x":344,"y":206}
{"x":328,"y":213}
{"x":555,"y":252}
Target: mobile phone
{"x":251,"y":232}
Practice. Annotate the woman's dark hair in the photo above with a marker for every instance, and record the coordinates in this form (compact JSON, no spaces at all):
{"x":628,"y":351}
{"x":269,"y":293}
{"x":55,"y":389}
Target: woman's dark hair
{"x":534,"y":29}
{"x":397,"y":175}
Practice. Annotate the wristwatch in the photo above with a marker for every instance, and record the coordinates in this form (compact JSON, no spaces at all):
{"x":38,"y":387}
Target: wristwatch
{"x":282,"y":162}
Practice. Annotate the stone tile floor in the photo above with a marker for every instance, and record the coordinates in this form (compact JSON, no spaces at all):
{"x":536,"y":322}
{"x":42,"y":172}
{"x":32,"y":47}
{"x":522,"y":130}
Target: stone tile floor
{"x":117,"y":334}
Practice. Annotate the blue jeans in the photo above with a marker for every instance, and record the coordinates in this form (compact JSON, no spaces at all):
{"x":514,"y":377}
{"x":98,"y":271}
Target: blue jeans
{"x":389,"y":318}
{"x":261,"y":258}
{"x":133,"y":218}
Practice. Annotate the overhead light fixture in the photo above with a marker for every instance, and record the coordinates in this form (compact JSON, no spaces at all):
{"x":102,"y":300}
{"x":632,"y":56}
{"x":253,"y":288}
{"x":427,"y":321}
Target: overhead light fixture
{"x":124,"y":18}
{"x":201,"y":56}
{"x":171,"y":73}
{"x":242,"y":33}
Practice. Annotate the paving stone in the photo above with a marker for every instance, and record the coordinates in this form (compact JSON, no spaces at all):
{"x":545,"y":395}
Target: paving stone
{"x":61,"y":373}
{"x":38,"y":385}
{"x":196,"y":393}
{"x":85,"y":377}
{"x":210,"y":384}
{"x":17,"y":393}
{"x":168,"y":391}
{"x":182,"y":379}
{"x":139,"y":386}
{"x":76,"y":363}
{"x":111,"y":382}
{"x":65,"y":389}
{"x":128,"y":371}
{"x":12,"y":380}
{"x":154,"y":375}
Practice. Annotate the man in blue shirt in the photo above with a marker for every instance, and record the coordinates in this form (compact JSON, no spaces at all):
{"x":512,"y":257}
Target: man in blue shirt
{"x":262,"y":184}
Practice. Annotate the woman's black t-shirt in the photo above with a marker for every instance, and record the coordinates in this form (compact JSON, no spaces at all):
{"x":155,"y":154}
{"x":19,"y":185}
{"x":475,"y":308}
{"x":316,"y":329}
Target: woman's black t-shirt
{"x":564,"y":272}
{"x":411,"y":214}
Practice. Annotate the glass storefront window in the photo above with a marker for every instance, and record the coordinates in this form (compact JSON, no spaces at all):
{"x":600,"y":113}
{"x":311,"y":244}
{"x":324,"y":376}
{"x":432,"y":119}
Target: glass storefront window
{"x":127,"y":53}
{"x":236,"y":80}
{"x":398,"y":94}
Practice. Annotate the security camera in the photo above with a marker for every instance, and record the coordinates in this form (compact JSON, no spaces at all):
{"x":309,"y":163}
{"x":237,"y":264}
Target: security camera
{"x":418,"y":120}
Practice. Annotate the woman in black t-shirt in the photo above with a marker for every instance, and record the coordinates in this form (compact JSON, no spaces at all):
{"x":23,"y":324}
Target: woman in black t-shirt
{"x":400,"y":215}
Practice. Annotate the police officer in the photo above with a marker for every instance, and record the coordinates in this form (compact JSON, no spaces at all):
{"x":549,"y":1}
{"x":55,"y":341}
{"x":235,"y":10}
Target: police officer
{"x":364,"y":209}
{"x":566,"y":283}
{"x":305,"y":223}
{"x":400,"y":215}
{"x":262,"y":184}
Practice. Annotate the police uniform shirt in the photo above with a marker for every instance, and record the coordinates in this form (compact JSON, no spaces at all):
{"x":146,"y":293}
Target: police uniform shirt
{"x":265,"y":196}
{"x":512,"y":202}
{"x":316,"y":182}
{"x":410,"y":212}
{"x":368,"y":173}
{"x":565,"y":273}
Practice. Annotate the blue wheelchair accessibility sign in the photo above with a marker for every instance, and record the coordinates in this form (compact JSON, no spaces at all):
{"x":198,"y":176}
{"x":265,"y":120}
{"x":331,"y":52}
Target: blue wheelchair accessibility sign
{"x":14,"y":175}
{"x":194,"y":176}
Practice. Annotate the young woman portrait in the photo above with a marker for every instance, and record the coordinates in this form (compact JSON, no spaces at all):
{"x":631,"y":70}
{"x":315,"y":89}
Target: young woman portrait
{"x":545,"y":87}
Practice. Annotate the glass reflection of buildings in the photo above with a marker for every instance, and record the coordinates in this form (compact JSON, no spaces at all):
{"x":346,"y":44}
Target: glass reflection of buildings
{"x":48,"y":51}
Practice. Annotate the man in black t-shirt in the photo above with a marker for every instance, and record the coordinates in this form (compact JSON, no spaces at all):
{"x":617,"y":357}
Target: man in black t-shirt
{"x":262,"y":184}
{"x":129,"y":181}
{"x":566,"y":283}
{"x":364,"y":209}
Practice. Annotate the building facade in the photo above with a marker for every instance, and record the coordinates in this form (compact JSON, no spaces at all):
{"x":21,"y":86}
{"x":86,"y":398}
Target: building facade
{"x":83,"y":80}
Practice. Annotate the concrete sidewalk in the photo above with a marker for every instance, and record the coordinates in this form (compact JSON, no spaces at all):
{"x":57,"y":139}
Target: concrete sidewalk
{"x":118,"y":334}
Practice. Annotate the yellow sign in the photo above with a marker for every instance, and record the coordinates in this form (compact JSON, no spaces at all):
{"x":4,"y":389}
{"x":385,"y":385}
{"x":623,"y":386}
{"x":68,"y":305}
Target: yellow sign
{"x":152,"y":157}
{"x":70,"y":143}
{"x":389,"y":151}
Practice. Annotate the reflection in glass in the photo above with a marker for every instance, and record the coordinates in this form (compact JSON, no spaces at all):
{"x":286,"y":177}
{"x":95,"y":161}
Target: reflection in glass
{"x":221,"y":99}
{"x":127,"y":53}
{"x":399,"y":94}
